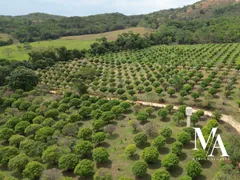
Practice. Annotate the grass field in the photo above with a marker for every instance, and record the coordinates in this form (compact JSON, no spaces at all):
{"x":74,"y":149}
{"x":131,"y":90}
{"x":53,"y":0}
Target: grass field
{"x":70,"y":42}
{"x":109,"y":35}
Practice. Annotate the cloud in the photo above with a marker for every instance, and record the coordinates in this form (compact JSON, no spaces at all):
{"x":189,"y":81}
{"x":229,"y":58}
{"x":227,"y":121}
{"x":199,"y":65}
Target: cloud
{"x":88,"y":7}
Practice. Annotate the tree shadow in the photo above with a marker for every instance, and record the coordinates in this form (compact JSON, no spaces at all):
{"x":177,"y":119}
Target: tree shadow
{"x":147,"y":144}
{"x":170,"y":140}
{"x":155,"y":165}
{"x":189,"y":145}
{"x":113,"y":136}
{"x":121,"y":117}
{"x":128,"y":111}
{"x":201,"y":177}
{"x":167,"y":119}
{"x":164,"y":150}
{"x":206,"y":164}
{"x":152,"y":116}
{"x":104,"y":144}
{"x":183,"y":156}
{"x":107,"y":164}
{"x":176,"y":172}
{"x":135,"y":157}
{"x":145,"y":177}
{"x":90,"y":177}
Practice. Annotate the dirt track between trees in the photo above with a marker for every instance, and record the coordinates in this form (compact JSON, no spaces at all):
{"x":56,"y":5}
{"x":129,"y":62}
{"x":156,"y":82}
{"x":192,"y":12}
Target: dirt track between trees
{"x":225,"y":118}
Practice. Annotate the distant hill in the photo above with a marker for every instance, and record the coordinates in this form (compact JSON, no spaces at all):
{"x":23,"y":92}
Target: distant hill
{"x":40,"y":26}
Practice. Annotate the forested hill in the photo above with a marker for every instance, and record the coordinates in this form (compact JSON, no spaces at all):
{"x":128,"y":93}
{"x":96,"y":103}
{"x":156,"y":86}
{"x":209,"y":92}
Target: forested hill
{"x":204,"y":15}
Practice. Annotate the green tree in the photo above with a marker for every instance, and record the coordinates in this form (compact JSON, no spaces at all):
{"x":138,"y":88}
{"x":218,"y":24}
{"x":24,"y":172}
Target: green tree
{"x":68,"y":161}
{"x":184,"y":137}
{"x":140,"y":139}
{"x":18,"y":163}
{"x":150,"y":154}
{"x":139,"y":168}
{"x":98,"y":137}
{"x":100,"y":155}
{"x":170,"y":161}
{"x":193,"y":169}
{"x":85,"y":133}
{"x":23,"y":78}
{"x":51,"y":155}
{"x":200,"y":155}
{"x":7,"y":153}
{"x":166,"y":133}
{"x":102,"y":174}
{"x":130,"y":150}
{"x":84,"y":168}
{"x":158,"y":142}
{"x":33,"y":170}
{"x":163,"y":113}
{"x":161,"y":174}
{"x":142,"y":116}
{"x":6,"y":133}
{"x":83,"y":148}
{"x":177,"y":148}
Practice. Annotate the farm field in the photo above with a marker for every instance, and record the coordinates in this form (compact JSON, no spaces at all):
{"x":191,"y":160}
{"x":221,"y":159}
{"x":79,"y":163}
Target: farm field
{"x":204,"y":76}
{"x":70,"y":42}
{"x":52,"y":130}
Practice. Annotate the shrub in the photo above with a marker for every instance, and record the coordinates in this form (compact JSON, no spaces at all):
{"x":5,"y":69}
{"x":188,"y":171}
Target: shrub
{"x":193,"y":169}
{"x":166,"y":132}
{"x":98,"y":137}
{"x":99,"y":124}
{"x":110,"y":128}
{"x":31,"y":129}
{"x":21,"y":126}
{"x":140,"y":139}
{"x":199,"y":155}
{"x":161,"y":174}
{"x":28,"y":116}
{"x":150,"y":154}
{"x":44,"y":133}
{"x":139,"y":168}
{"x":38,"y":120}
{"x":83,"y":148}
{"x":84,"y":168}
{"x":170,"y":161}
{"x":184,"y":137}
{"x":52,"y":174}
{"x":18,"y":163}
{"x":163,"y":113}
{"x":130,"y":150}
{"x":158,"y":142}
{"x":52,"y":113}
{"x":142,"y":116}
{"x":102,"y":174}
{"x":68,"y":161}
{"x":100,"y":155}
{"x":178,"y":117}
{"x":177,"y":148}
{"x":5,"y":133}
{"x":85,"y":133}
{"x":70,"y":129}
{"x":7,"y":153}
{"x":15,"y":140}
{"x":33,"y":170}
{"x":135,"y":124}
{"x":51,"y":155}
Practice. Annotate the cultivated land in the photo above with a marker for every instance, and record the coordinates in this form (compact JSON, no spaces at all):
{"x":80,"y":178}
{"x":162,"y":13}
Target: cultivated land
{"x":203,"y":76}
{"x":70,"y":42}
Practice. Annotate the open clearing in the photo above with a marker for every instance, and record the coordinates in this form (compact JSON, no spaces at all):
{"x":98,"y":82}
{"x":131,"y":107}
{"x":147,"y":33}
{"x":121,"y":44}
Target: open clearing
{"x":70,"y":42}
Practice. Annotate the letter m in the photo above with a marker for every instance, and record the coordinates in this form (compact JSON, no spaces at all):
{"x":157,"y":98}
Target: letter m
{"x":204,"y":144}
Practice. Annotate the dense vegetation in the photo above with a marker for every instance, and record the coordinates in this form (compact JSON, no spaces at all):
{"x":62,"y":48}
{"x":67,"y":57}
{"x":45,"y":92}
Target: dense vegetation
{"x":216,"y":24}
{"x":54,"y":136}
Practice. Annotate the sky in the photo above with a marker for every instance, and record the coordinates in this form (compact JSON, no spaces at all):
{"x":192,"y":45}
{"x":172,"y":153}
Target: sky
{"x":88,"y":7}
